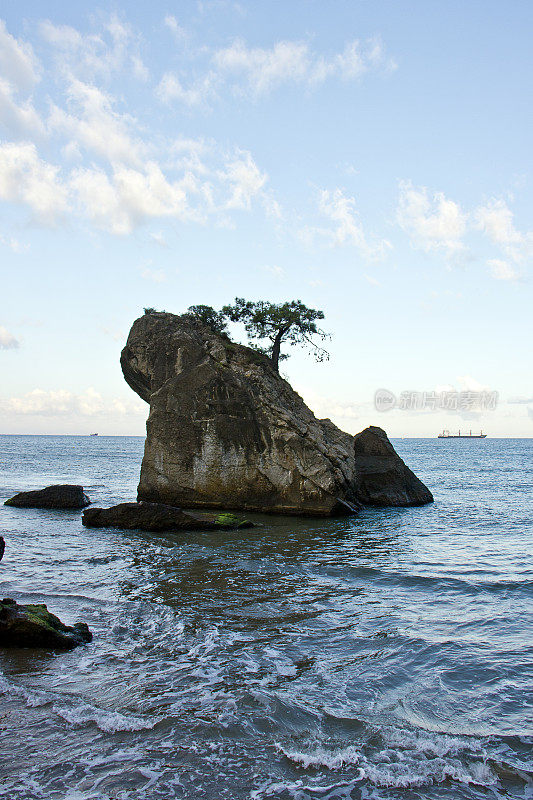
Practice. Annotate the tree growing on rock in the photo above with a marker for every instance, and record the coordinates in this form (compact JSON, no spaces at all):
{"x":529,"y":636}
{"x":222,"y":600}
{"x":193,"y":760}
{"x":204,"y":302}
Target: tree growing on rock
{"x":208,"y":316}
{"x":279,"y":323}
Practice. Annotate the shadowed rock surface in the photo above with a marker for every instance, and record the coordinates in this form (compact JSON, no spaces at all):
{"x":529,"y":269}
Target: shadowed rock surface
{"x":158,"y":517}
{"x":35,"y":626}
{"x":65,"y":496}
{"x":225,"y":430}
{"x":381,"y":476}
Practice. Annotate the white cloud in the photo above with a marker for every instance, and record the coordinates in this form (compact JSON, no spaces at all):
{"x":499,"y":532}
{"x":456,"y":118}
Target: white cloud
{"x":173,"y":25}
{"x":245,"y":181}
{"x":126,"y":173}
{"x":467,"y":383}
{"x":140,"y":70}
{"x":159,"y":238}
{"x":17,"y":61}
{"x":124,"y":200}
{"x":61,"y":403}
{"x":7,"y":340}
{"x":64,"y":37}
{"x":436,"y":222}
{"x":346,"y":227}
{"x":154,"y":275}
{"x":114,"y":47}
{"x":496,"y":220}
{"x":520,"y":400}
{"x":14,"y":244}
{"x":264,"y":69}
{"x":95,"y":126}
{"x":502,"y":270}
{"x":26,"y":179}
{"x":18,"y":117}
{"x":325,"y":407}
{"x":170,"y":88}
{"x":432,"y":222}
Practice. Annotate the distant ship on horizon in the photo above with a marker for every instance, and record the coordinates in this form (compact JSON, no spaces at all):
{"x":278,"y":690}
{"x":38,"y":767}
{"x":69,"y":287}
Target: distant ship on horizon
{"x":447,"y":435}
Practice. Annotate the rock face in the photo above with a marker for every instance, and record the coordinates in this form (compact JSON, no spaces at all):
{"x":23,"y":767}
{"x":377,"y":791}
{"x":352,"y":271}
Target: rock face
{"x":225,"y":430}
{"x":157,"y":517}
{"x":35,"y":626}
{"x":381,"y":477}
{"x":51,"y":497}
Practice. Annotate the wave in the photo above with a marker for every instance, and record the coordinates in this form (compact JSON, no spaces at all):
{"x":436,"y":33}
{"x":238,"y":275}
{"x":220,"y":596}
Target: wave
{"x":441,"y":583}
{"x":77,"y":713}
{"x":389,"y":768}
{"x":106,"y":721}
{"x":322,"y":758}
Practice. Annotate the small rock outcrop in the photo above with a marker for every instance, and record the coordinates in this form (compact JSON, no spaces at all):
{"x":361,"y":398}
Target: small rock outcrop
{"x":35,"y":626}
{"x":226,"y":431}
{"x":158,"y":517}
{"x":381,"y":476}
{"x":65,"y":496}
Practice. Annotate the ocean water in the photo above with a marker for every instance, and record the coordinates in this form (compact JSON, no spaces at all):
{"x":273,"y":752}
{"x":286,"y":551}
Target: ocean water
{"x":388,"y":655}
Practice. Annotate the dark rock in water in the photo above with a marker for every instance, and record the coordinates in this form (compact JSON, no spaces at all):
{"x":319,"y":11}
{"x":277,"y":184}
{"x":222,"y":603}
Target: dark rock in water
{"x":2,"y":547}
{"x":35,"y":626}
{"x":158,"y":517}
{"x":381,"y":477}
{"x":226,"y":431}
{"x":65,"y":496}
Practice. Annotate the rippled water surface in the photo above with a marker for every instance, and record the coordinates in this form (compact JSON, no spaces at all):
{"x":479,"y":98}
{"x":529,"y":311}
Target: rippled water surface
{"x":383,"y":656}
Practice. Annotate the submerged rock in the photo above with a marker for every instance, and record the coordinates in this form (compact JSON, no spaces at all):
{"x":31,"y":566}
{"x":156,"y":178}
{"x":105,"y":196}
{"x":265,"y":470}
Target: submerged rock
{"x":34,"y":626}
{"x":381,"y":476}
{"x":225,"y":430}
{"x":158,"y":517}
{"x":65,"y":496}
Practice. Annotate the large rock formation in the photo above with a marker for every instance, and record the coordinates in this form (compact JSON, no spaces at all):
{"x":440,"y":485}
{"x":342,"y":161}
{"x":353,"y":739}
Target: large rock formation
{"x":58,"y":496}
{"x":225,"y":430}
{"x":381,"y":477}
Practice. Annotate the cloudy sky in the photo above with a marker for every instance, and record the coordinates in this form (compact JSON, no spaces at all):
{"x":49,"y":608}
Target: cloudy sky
{"x":372,"y":159}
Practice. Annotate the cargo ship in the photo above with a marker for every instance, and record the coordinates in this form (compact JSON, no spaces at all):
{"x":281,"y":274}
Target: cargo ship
{"x":447,"y":435}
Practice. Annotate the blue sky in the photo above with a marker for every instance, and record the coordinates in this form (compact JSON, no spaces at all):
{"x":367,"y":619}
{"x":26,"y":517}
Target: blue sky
{"x":372,"y":159}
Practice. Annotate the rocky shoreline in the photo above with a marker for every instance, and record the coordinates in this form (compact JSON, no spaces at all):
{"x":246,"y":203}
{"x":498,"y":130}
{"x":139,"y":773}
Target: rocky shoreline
{"x":227,"y":432}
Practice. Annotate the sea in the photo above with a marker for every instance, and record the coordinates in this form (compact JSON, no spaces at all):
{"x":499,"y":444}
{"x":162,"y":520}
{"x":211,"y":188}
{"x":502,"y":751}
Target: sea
{"x":387,"y":655}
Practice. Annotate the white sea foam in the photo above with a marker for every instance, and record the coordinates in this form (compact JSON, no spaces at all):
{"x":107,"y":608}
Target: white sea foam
{"x":77,"y":713}
{"x":402,"y":766}
{"x":106,"y":721}
{"x":32,"y":698}
{"x":297,"y":790}
{"x":411,"y":774}
{"x":322,"y":758}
